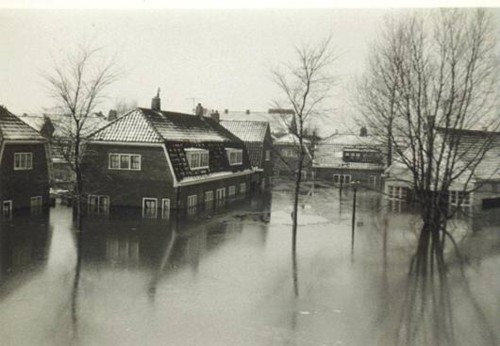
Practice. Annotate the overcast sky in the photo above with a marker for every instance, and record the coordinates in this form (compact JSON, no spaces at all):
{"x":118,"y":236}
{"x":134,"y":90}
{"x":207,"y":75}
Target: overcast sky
{"x":221,"y":57}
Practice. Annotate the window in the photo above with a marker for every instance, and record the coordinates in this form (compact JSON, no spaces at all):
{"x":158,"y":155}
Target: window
{"x":36,"y":205}
{"x":288,"y":153}
{"x":98,"y":204}
{"x":220,"y":195}
{"x":149,"y":207}
{"x":209,"y":196}
{"x":268,"y":155}
{"x":192,"y":201}
{"x":125,"y":162}
{"x":165,"y":208}
{"x":304,"y":175}
{"x":342,"y":178}
{"x":235,"y":156}
{"x":398,"y":192}
{"x":23,"y":161}
{"x":243,"y":188}
{"x":373,"y":180}
{"x":461,"y":198}
{"x":231,"y":190}
{"x":7,"y":209}
{"x":197,"y":158}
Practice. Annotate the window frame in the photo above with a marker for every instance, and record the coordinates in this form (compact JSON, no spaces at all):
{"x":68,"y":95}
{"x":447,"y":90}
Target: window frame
{"x":207,"y":194}
{"x":144,"y":214}
{"x":202,"y":157}
{"x":243,"y":188}
{"x":28,"y":164}
{"x":234,"y":156}
{"x":268,"y":155}
{"x":165,"y":212}
{"x":97,"y":207}
{"x":129,"y":160}
{"x":231,"y":191}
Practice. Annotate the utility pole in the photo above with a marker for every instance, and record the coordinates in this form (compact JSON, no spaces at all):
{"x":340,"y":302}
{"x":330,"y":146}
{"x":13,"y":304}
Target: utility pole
{"x":355,"y":189}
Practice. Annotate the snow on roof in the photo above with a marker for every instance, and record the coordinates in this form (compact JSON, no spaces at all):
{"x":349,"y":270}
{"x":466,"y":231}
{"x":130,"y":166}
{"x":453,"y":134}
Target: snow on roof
{"x":290,"y":139}
{"x":12,"y":128}
{"x":151,"y":126}
{"x":275,"y":121}
{"x":246,"y":130}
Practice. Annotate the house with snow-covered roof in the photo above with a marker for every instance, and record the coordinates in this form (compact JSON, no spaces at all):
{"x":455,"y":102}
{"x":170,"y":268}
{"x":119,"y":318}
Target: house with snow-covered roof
{"x":257,"y":138}
{"x":24,"y":177}
{"x":477,"y":167}
{"x":157,"y":160}
{"x":345,"y":158}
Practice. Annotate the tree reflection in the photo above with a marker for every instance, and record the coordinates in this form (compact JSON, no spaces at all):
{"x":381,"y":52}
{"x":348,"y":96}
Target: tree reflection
{"x":436,"y":300}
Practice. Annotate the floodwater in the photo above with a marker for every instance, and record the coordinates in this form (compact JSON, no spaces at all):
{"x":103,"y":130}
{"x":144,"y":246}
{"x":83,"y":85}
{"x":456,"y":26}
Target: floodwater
{"x":223,"y":277}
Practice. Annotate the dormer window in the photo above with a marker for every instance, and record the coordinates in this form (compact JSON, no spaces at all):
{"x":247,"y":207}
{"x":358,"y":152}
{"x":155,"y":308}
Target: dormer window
{"x":197,"y":158}
{"x":23,"y":161}
{"x":235,"y":156}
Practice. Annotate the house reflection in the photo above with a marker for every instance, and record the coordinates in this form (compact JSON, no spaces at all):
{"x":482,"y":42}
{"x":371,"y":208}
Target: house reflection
{"x":24,"y":246}
{"x":159,"y":246}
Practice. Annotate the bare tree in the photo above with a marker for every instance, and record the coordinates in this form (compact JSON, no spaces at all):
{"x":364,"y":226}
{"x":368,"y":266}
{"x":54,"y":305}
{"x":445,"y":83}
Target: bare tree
{"x":76,"y":84}
{"x":432,"y":79}
{"x":305,"y":85}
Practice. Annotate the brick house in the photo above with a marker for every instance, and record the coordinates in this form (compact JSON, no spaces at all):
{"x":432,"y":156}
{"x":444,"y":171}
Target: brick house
{"x":286,"y":154}
{"x":157,"y":160}
{"x":24,"y":176}
{"x":257,"y":138}
{"x":345,"y":158}
{"x":482,"y":190}
{"x":57,"y":129}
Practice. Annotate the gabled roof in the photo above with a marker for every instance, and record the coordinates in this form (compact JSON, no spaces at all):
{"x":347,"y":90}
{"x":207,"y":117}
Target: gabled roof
{"x":63,"y":124}
{"x":12,"y":128}
{"x":275,"y":121}
{"x":144,"y":125}
{"x":246,"y":130}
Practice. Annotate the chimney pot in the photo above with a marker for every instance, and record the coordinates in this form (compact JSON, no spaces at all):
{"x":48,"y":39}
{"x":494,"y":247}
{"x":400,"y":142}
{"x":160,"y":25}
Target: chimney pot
{"x":247,"y":111}
{"x":199,"y":110}
{"x":156,"y":102}
{"x":226,"y":111}
{"x":215,"y":115}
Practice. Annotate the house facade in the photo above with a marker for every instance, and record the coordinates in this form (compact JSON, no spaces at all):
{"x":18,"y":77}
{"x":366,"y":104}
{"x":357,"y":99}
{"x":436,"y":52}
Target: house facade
{"x":347,"y":158}
{"x":157,"y":160}
{"x":286,"y":157}
{"x":481,"y":191}
{"x":24,"y":174}
{"x":257,"y":138}
{"x":58,"y":129}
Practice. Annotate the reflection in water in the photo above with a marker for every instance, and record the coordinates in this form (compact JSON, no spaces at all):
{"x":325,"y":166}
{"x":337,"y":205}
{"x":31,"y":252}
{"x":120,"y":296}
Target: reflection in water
{"x":24,"y":246}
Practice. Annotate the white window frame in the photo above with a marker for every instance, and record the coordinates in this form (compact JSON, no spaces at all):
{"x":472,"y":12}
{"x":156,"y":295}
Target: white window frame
{"x":147,"y":215}
{"x":220,"y":194}
{"x":268,"y":155}
{"x":231,"y":191}
{"x":234,"y":156}
{"x":372,"y":180}
{"x":397,"y":192}
{"x":165,"y":212}
{"x":9,"y":209}
{"x":23,"y":161}
{"x":457,"y":196}
{"x":243,"y":188}
{"x":342,"y":178}
{"x":192,"y":201}
{"x":101,"y":204}
{"x":209,"y":196}
{"x":304,"y":175}
{"x":198,"y":158}
{"x":128,"y":158}
{"x":287,"y":152}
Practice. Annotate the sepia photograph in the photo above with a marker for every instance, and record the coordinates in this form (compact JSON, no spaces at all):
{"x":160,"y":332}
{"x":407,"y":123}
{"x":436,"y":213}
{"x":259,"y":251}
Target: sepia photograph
{"x":238,"y":173}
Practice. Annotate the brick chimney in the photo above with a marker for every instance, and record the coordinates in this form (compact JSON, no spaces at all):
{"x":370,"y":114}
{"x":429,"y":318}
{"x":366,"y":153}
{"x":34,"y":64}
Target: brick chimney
{"x":199,"y":110}
{"x":215,"y":115}
{"x":156,"y":102}
{"x":112,"y":114}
